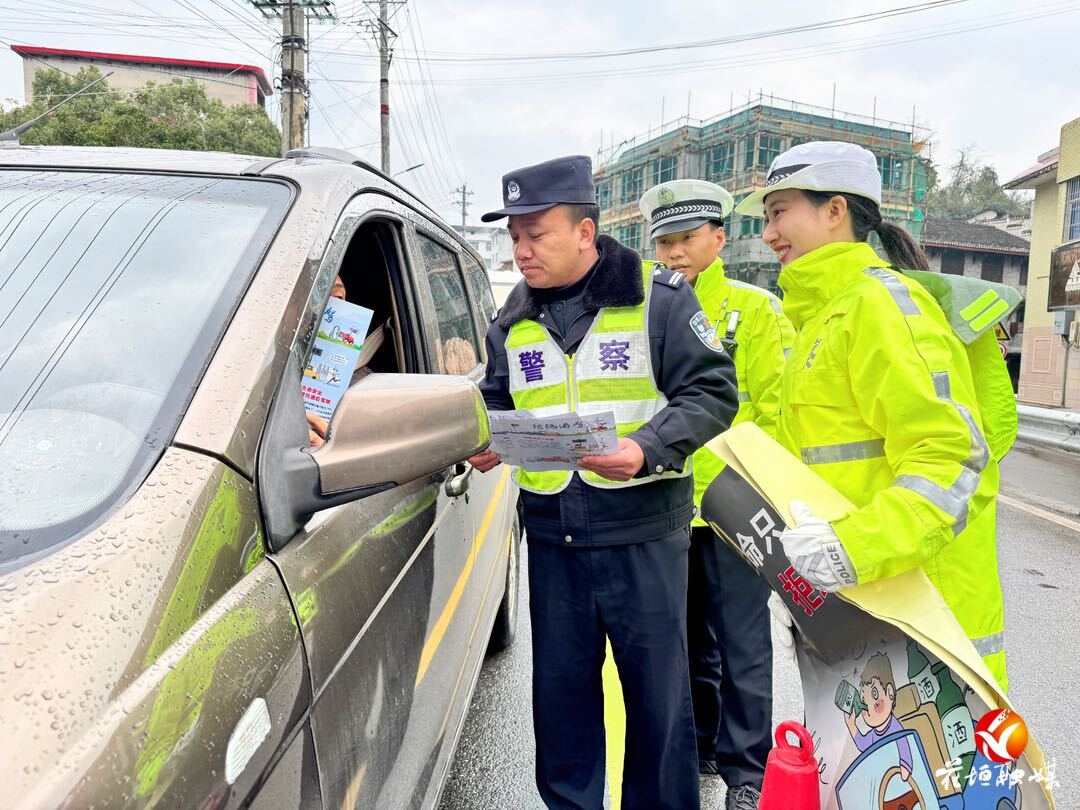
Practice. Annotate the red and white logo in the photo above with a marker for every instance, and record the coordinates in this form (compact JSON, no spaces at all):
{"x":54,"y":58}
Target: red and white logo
{"x":1001,"y":735}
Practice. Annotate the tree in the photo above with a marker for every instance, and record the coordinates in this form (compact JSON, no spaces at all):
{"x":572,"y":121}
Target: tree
{"x":973,"y":187}
{"x":177,"y":115}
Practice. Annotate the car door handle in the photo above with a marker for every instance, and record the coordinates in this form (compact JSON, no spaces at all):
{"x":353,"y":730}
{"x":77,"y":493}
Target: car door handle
{"x":458,"y":483}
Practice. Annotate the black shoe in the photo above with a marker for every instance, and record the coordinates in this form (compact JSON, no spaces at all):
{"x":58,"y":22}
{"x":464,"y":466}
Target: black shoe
{"x":743,"y":797}
{"x":707,"y":767}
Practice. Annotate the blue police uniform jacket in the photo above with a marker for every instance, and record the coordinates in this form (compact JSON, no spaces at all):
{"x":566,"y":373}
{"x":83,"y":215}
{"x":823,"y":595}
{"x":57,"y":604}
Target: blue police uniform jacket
{"x":698,"y":382}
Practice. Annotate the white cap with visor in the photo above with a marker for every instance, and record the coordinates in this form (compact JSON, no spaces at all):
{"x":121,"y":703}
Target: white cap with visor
{"x":683,"y":205}
{"x":842,"y":168}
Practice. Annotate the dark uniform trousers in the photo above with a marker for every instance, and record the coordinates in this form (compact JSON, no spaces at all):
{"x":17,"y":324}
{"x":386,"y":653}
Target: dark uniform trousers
{"x":623,"y":576}
{"x":730,"y":660}
{"x":635,"y":595}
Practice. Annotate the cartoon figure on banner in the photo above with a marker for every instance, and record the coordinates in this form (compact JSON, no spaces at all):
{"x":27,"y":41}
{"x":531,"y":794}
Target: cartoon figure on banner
{"x":877,"y":688}
{"x":918,"y":749}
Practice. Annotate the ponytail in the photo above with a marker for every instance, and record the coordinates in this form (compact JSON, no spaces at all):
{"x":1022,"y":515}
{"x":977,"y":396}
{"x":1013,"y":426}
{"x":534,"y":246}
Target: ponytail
{"x":903,"y":252}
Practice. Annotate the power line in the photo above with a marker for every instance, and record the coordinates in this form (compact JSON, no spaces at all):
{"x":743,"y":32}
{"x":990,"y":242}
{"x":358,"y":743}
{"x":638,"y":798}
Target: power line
{"x":344,"y":18}
{"x":840,"y":22}
{"x":261,"y":28}
{"x":214,"y":22}
{"x":821,"y":25}
{"x":757,"y":58}
{"x":43,"y":19}
{"x":433,"y":98}
{"x":337,"y":133}
{"x":413,"y":111}
{"x":341,"y":94}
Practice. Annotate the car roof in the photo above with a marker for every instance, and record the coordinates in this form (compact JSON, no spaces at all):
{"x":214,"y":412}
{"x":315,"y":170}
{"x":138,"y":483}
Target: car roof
{"x":119,"y":158}
{"x":314,"y":165}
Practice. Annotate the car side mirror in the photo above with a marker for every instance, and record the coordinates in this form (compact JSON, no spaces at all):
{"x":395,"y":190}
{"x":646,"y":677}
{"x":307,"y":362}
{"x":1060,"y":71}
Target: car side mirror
{"x":393,"y":428}
{"x":387,"y":429}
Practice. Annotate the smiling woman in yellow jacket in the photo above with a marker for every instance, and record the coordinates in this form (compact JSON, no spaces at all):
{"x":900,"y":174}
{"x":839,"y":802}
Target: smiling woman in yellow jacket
{"x":878,"y":397}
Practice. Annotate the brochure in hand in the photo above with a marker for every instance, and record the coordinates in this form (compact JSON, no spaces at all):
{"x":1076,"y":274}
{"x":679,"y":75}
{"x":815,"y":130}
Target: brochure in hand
{"x":334,"y":356}
{"x":552,"y":442}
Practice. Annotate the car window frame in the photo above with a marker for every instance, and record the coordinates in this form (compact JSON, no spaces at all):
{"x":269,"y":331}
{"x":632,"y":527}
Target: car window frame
{"x":422,"y":228}
{"x":162,"y":430}
{"x":482,"y":318}
{"x":366,"y":205}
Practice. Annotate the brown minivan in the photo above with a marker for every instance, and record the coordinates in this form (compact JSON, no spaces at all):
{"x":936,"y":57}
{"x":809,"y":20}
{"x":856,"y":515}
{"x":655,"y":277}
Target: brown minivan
{"x":196,"y":609}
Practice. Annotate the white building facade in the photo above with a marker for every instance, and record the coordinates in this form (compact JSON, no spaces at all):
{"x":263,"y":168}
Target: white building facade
{"x":492,"y":243}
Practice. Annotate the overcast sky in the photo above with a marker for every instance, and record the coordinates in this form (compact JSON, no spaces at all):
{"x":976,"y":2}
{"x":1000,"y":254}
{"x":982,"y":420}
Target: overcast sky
{"x":994,"y":74}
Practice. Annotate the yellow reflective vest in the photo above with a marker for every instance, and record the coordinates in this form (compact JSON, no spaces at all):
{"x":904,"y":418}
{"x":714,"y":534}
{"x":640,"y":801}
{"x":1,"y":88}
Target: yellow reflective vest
{"x":762,"y":334}
{"x":611,"y":371}
{"x":878,"y":398}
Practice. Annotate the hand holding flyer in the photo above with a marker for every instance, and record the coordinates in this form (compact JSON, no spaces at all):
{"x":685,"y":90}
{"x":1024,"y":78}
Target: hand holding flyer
{"x":552,"y":442}
{"x":340,"y":338}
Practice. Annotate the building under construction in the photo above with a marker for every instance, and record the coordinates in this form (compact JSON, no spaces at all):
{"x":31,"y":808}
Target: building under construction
{"x":735,"y":150}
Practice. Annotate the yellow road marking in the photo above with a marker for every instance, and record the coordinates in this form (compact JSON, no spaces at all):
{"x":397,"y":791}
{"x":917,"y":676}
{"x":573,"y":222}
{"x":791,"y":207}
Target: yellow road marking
{"x":1060,"y":520}
{"x":614,"y":728}
{"x":472,"y":635}
{"x":439,"y":630}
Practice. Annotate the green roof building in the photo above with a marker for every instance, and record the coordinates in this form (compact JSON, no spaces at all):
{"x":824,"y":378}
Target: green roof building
{"x":735,"y":150}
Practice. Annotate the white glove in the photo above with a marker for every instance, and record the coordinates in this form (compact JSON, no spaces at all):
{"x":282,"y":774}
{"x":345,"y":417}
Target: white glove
{"x":783,"y":626}
{"x":816,"y":552}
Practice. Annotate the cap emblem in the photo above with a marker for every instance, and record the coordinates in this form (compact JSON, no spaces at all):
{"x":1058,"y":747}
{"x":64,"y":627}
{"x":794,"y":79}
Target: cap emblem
{"x":666,"y":196}
{"x":513,"y":191}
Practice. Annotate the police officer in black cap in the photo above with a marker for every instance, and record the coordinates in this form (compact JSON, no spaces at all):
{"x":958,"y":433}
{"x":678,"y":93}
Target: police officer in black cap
{"x":592,"y":328}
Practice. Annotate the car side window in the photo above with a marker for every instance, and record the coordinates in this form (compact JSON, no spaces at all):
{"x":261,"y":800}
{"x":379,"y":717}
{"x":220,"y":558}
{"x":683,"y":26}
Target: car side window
{"x":480,"y":291}
{"x":480,"y":288}
{"x":457,"y":346}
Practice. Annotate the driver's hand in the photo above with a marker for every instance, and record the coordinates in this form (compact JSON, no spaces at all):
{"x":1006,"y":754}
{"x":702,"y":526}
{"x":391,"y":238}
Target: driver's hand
{"x":317,"y":429}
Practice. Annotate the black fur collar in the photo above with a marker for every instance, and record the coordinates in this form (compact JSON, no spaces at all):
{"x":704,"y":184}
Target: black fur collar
{"x":615,"y":281}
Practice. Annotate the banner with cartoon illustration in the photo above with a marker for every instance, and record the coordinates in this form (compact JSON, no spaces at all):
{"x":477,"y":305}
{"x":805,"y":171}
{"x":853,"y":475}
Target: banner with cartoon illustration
{"x":334,"y":356}
{"x":902,"y":714}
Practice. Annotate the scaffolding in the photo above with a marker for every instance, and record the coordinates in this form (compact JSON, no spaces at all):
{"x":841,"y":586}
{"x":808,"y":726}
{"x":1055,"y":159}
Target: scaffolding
{"x":735,"y":148}
{"x":865,"y":130}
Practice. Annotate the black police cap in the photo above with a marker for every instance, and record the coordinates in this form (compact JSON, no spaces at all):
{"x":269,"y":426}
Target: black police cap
{"x":566,"y":180}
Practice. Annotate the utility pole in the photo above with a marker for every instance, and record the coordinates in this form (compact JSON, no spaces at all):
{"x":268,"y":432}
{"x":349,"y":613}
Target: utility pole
{"x":385,"y":36}
{"x":384,"y":86}
{"x":293,"y":84}
{"x":463,"y":203}
{"x":293,"y":76}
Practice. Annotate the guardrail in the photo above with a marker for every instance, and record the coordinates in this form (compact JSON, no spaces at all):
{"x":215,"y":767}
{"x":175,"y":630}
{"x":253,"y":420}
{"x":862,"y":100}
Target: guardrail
{"x":1048,"y":427}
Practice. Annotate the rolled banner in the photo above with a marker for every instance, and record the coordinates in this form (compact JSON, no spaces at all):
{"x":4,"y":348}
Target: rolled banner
{"x":902,"y":710}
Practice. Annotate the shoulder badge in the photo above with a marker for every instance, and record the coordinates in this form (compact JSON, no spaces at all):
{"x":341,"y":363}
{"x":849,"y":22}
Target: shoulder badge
{"x":669,"y":278}
{"x":706,"y":332}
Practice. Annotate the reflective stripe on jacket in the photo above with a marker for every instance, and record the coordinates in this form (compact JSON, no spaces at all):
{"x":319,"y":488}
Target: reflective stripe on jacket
{"x":878,"y":398}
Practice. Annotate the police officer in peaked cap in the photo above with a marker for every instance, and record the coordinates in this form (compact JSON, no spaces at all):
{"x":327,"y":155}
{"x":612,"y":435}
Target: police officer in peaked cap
{"x":728,"y":630}
{"x":592,"y":328}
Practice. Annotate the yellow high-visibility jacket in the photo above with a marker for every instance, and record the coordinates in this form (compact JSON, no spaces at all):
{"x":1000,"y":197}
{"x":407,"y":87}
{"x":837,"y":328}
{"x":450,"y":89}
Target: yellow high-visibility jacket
{"x":878,"y":398}
{"x":763,"y":337}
